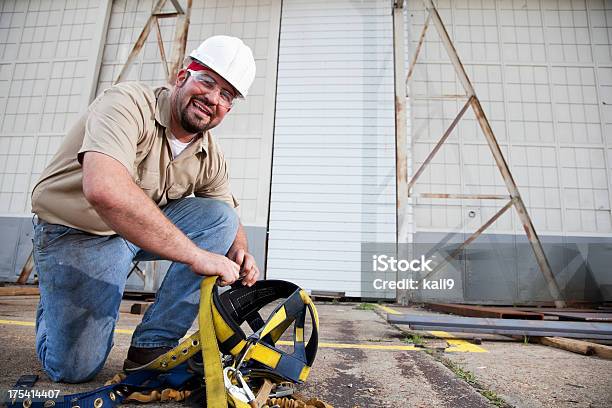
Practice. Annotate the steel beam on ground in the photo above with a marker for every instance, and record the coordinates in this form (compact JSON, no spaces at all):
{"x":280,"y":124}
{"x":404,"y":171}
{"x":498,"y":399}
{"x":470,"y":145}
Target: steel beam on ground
{"x":582,"y":316}
{"x":483,"y":311}
{"x":514,"y":327}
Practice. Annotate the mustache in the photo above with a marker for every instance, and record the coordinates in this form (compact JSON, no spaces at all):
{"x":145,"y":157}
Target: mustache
{"x":202,"y":100}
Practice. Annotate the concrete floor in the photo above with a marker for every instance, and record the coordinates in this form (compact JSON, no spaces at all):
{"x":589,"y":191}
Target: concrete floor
{"x":364,"y":362}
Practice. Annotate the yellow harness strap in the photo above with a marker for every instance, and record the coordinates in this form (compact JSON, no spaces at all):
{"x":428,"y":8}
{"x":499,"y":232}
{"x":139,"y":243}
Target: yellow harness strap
{"x":215,"y":388}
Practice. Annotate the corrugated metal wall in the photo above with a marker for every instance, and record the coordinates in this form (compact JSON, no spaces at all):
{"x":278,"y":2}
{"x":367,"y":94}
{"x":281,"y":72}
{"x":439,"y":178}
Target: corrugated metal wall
{"x":333,"y":176}
{"x":45,"y":59}
{"x":542,"y":70}
{"x":48,"y":53}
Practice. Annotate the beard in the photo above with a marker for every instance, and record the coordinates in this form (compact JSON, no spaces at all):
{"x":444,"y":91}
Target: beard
{"x":191,"y":122}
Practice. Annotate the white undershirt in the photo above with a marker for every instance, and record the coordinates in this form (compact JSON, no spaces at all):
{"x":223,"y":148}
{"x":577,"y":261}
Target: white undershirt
{"x":176,"y":145}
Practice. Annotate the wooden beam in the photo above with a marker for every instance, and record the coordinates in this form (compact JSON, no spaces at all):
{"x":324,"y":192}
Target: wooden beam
{"x":586,"y":348}
{"x":438,"y":146}
{"x":162,"y":51}
{"x":26,"y":270}
{"x":465,"y":196}
{"x":418,"y":48}
{"x":401,"y":125}
{"x":136,"y":49}
{"x":471,"y":238}
{"x":179,"y":43}
{"x":19,"y":290}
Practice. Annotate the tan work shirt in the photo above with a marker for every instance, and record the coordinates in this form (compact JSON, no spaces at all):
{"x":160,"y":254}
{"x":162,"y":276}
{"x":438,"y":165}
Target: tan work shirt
{"x":129,"y":122}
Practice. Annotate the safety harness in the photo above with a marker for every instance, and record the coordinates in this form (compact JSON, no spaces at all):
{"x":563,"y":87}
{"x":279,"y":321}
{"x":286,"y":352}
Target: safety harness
{"x":248,"y":362}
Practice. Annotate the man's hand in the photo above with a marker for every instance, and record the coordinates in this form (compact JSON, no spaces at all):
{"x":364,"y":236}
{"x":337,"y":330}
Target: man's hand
{"x":210,"y":264}
{"x":248,"y":267}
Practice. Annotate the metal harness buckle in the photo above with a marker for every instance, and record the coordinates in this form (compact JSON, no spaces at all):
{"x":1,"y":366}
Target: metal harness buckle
{"x":243,"y":392}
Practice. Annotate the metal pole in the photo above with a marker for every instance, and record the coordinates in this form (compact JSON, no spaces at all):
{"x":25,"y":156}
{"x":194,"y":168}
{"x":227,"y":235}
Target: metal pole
{"x":401,"y":132}
{"x":401,"y":135}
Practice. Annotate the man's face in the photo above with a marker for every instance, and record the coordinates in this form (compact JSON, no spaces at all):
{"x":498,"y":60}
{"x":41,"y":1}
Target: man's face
{"x":197,"y":105}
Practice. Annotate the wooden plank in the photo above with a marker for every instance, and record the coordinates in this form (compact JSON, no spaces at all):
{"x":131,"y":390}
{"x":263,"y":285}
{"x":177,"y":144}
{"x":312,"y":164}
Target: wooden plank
{"x":575,"y":346}
{"x":602,"y":351}
{"x":26,"y":270}
{"x":586,"y":348}
{"x":19,"y":290}
{"x":139,"y":308}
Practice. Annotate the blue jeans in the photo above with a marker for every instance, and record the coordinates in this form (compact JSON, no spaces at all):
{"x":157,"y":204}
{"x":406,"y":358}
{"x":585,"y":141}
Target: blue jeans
{"x":82,"y":277}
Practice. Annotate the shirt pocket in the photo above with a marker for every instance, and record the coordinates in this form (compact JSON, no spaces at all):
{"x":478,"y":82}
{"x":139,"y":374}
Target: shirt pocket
{"x":148,"y":180}
{"x":177,"y":191}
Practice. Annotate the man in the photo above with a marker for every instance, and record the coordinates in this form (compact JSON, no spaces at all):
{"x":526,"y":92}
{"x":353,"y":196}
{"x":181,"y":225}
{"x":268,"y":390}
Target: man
{"x":117,"y":191}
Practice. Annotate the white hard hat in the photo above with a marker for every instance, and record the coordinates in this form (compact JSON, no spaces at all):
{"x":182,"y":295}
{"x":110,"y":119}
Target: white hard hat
{"x":230,"y":58}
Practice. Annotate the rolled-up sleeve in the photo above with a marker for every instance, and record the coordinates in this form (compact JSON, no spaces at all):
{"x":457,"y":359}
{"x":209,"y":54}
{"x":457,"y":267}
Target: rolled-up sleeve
{"x":114,"y":126}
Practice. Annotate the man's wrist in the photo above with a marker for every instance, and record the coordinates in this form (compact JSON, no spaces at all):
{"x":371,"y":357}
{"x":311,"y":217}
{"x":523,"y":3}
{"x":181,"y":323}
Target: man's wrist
{"x":192,"y":255}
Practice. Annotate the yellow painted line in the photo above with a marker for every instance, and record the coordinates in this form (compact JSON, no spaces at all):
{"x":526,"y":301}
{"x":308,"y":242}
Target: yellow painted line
{"x":32,"y":324}
{"x":359,"y":346}
{"x":458,"y":345}
{"x":17,"y":323}
{"x":388,"y":309}
{"x":124,"y":331}
{"x":284,"y":343}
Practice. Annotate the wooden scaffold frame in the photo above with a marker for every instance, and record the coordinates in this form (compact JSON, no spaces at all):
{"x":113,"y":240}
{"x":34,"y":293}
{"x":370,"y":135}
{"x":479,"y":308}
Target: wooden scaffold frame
{"x":405,"y":184}
{"x":180,"y":39}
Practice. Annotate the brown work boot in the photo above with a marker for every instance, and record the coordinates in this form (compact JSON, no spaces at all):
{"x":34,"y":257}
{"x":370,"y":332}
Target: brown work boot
{"x":140,"y":356}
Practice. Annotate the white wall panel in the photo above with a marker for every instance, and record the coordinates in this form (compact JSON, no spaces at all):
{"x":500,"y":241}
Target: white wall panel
{"x":46,"y":57}
{"x":333,"y":177}
{"x":542,"y":70}
{"x":246,"y":133}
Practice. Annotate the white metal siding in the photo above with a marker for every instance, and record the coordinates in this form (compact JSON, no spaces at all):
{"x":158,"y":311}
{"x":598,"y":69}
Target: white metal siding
{"x":333,"y":176}
{"x":246,"y":133}
{"x":542,"y":70}
{"x":45,"y":63}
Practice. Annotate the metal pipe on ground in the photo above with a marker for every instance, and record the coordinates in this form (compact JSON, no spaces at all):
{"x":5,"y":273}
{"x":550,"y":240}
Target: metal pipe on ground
{"x":513,"y":327}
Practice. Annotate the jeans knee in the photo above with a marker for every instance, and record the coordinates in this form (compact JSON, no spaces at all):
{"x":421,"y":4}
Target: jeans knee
{"x":219,"y":214}
{"x":74,"y":371}
{"x":72,"y":365}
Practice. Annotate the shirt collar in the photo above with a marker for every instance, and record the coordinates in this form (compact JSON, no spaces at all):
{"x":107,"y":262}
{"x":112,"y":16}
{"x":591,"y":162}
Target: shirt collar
{"x":162,"y":116}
